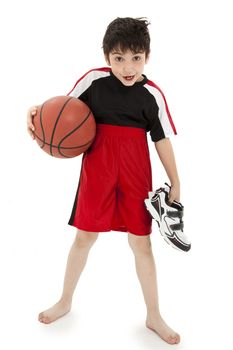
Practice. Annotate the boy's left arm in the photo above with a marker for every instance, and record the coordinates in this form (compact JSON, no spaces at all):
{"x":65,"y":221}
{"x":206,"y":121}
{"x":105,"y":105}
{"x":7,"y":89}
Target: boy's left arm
{"x":166,"y":155}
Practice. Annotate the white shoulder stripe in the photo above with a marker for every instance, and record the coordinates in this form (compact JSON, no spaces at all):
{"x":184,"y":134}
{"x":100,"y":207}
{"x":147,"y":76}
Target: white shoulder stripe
{"x":163,"y":114}
{"x":83,"y":83}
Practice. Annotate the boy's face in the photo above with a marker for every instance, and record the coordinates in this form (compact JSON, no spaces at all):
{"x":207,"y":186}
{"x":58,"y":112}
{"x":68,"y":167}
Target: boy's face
{"x":127,"y":66}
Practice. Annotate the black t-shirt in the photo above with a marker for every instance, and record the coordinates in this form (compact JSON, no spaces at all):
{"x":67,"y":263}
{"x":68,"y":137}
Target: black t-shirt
{"x":142,"y":105}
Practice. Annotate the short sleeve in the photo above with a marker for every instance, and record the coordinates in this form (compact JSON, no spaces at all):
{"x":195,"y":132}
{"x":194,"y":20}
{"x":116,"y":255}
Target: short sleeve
{"x":161,"y":123}
{"x":81,"y":88}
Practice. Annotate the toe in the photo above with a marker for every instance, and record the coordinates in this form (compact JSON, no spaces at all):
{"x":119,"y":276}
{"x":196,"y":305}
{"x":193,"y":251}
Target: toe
{"x":174,"y":339}
{"x":45,"y":320}
{"x":171,"y":340}
{"x":177,"y":338}
{"x":40,"y":316}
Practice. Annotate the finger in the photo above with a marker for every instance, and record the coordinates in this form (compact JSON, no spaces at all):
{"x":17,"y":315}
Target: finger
{"x":171,"y":199}
{"x":30,"y":126}
{"x":32,"y":135}
{"x":33,"y":109}
{"x":31,"y":112}
{"x":30,"y":115}
{"x":30,"y":130}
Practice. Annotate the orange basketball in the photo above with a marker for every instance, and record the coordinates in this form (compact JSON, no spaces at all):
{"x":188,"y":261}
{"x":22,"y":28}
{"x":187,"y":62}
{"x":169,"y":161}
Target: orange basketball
{"x":64,"y":127}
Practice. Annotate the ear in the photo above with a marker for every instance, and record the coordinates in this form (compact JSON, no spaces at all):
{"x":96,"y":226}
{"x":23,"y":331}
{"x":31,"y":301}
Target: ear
{"x":107,"y":60}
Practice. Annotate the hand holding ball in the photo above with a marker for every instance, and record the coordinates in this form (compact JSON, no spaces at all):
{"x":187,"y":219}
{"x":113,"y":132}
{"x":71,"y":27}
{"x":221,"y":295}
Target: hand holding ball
{"x":64,"y":127}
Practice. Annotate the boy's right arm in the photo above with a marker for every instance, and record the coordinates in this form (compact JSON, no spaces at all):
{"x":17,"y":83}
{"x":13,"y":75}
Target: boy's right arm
{"x":30,"y":126}
{"x":80,"y":90}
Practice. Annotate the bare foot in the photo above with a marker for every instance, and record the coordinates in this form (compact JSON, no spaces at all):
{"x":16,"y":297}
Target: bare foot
{"x":158,"y":325}
{"x":56,"y":311}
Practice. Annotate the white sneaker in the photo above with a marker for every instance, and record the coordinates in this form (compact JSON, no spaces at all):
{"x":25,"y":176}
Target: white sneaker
{"x":169,"y":218}
{"x":166,"y":188}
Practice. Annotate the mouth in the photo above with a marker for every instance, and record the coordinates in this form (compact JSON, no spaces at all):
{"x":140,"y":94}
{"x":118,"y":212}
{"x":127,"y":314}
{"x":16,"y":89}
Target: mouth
{"x":129,"y":77}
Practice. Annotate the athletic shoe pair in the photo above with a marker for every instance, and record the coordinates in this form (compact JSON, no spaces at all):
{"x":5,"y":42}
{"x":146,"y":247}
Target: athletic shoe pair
{"x":169,"y":218}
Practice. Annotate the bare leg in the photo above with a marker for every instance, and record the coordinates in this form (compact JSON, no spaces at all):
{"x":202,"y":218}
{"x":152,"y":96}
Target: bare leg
{"x":75,"y":264}
{"x":146,"y":271}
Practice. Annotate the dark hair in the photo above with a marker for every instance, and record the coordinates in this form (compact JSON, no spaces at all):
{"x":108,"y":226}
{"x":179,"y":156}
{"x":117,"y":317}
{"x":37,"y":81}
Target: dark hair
{"x":127,"y":34}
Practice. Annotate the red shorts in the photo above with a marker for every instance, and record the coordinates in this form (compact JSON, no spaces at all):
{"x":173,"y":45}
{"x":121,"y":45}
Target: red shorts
{"x":114,"y":180}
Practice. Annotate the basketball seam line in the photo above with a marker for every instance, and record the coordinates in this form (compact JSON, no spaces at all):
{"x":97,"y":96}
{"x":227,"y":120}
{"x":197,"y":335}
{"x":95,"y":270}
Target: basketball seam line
{"x":55,"y":125}
{"x":61,"y":147}
{"x":77,"y":127}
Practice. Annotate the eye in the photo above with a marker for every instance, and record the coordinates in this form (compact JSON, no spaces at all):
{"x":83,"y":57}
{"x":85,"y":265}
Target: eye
{"x":137,"y":58}
{"x":119,"y":59}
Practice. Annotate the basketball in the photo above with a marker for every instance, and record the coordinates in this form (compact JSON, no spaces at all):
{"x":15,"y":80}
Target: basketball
{"x":64,"y":127}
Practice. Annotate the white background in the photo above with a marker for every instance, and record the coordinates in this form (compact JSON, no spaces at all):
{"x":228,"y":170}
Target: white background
{"x":45,"y":47}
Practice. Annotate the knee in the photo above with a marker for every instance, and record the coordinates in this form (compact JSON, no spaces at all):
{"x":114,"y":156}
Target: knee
{"x":85,"y":239}
{"x":139,"y":244}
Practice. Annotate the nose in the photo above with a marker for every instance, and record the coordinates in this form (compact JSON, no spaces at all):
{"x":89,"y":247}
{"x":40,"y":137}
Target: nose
{"x":128,"y":68}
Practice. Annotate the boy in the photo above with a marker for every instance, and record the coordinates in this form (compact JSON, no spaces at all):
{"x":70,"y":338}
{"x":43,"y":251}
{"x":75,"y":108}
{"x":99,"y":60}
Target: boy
{"x":115,"y":176}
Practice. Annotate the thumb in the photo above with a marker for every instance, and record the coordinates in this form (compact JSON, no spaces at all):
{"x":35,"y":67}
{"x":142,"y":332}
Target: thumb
{"x":171,"y":198}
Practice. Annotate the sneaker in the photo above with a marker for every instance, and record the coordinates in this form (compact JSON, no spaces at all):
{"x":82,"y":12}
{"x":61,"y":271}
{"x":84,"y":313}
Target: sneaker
{"x":166,"y":188}
{"x":169,"y":218}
